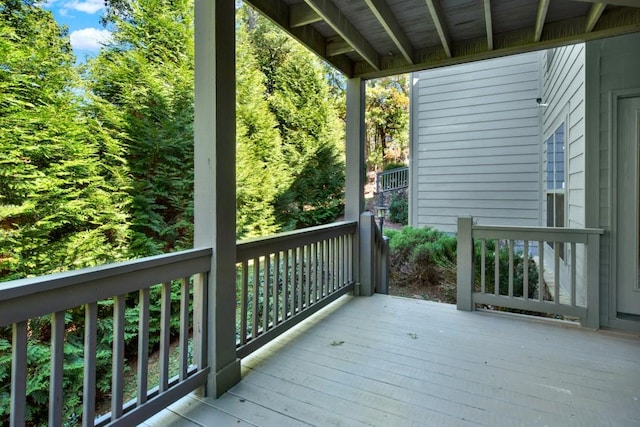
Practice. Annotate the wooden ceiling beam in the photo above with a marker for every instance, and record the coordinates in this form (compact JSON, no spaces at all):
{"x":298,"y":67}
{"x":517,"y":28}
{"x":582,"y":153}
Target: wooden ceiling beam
{"x":337,"y":46}
{"x":278,"y":12}
{"x":488,"y":23}
{"x":543,"y":7}
{"x":300,"y":14}
{"x":437,"y":16}
{"x":341,"y":25}
{"x":390,"y":24}
{"x":629,"y":3}
{"x":594,"y":16}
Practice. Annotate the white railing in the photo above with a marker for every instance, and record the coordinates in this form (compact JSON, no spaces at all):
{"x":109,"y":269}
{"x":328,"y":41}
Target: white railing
{"x":285,"y":278}
{"x":104,"y":293}
{"x":393,"y":179}
{"x":562,"y":279}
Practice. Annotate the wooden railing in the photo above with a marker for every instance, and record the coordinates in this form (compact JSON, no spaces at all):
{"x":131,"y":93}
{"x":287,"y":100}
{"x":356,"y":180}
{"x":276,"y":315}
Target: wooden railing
{"x":393,"y":179}
{"x":285,"y":278}
{"x":109,"y":290}
{"x":563,"y":279}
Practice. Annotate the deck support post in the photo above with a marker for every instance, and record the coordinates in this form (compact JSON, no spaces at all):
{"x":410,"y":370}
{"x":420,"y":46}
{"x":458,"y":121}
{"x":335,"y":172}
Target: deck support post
{"x":465,"y":264}
{"x":367,"y":256}
{"x":355,"y":164}
{"x":592,"y":320}
{"x":215,"y":189}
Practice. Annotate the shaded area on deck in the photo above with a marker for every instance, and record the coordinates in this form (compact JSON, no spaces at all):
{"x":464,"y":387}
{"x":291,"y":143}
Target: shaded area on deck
{"x":392,"y":361}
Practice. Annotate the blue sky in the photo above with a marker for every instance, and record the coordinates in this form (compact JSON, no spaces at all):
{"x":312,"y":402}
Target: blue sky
{"x":83,"y":19}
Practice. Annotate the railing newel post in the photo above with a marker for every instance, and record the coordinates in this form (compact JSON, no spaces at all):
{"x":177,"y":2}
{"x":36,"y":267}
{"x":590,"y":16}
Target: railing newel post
{"x":367,"y":256}
{"x":465,"y":264}
{"x":592,"y":320}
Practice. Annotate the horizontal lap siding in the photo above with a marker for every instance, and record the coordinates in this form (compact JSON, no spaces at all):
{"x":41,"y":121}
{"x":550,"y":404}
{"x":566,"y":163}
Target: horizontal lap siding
{"x":476,"y":142}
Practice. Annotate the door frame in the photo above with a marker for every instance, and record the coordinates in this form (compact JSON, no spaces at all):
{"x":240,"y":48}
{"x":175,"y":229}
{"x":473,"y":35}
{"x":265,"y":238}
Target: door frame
{"x":614,"y":97}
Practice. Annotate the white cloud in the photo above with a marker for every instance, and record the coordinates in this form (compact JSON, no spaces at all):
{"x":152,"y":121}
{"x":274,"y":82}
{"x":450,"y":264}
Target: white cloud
{"x":89,"y":38}
{"x":86,"y":6}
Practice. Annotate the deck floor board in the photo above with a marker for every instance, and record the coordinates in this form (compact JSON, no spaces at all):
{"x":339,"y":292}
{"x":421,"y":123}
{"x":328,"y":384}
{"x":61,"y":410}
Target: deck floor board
{"x":387,"y":361}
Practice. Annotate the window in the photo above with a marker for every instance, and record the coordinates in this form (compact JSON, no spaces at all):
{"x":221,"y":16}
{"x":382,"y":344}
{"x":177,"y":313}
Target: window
{"x":555,"y":146}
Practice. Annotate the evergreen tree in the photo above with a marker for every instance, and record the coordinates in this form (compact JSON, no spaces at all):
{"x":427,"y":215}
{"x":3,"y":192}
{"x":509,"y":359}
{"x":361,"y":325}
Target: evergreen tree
{"x":59,"y":208}
{"x":311,"y":132}
{"x":142,"y":84}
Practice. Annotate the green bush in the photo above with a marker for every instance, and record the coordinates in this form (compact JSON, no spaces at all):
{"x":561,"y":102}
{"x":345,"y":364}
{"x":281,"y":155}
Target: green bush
{"x":393,"y":165}
{"x":503,"y":270}
{"x":399,"y":208}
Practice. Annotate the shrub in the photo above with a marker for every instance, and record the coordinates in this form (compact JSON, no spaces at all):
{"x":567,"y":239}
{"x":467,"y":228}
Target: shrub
{"x":399,"y":208}
{"x":393,"y":165}
{"x":503,"y":270}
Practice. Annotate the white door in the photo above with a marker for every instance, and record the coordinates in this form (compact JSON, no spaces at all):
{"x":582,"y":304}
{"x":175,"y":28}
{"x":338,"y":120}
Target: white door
{"x":628,"y":218}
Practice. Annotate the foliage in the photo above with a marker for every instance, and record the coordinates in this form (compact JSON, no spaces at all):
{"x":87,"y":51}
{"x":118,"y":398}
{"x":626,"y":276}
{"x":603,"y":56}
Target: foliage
{"x":387,"y":120}
{"x":61,"y":203}
{"x":399,"y":208}
{"x":310,"y":130}
{"x":418,"y":255}
{"x":142,"y":84}
{"x":503,"y":270}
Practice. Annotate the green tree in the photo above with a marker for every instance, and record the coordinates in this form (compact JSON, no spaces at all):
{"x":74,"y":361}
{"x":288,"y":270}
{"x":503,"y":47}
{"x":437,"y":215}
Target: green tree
{"x":59,"y":207}
{"x":387,"y":121}
{"x":312,"y":134}
{"x":142,"y":87}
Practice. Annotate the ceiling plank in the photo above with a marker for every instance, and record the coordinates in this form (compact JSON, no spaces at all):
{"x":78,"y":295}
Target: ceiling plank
{"x":489,"y":23}
{"x":278,"y":12}
{"x":390,"y":24}
{"x":594,"y":15}
{"x":629,"y":3}
{"x":543,"y":7}
{"x":441,"y":26}
{"x":341,"y":25}
{"x":300,"y":14}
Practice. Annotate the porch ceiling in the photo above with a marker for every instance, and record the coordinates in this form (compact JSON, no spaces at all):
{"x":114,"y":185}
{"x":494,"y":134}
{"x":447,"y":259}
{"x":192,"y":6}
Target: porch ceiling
{"x":374,"y":38}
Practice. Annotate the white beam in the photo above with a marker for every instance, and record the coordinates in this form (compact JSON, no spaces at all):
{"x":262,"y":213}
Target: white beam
{"x":341,"y":25}
{"x":355,"y":162}
{"x":300,"y":14}
{"x":543,"y":7}
{"x":215,"y":181}
{"x":594,"y":15}
{"x":337,"y":46}
{"x":392,"y":27}
{"x":488,"y":23}
{"x":441,"y":26}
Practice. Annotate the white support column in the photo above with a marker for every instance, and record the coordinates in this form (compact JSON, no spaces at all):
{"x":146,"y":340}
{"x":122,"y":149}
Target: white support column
{"x":355,"y":164}
{"x":215,"y":193}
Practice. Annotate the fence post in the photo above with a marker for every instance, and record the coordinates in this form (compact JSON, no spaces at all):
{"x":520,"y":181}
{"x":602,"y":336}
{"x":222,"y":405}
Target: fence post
{"x":592,"y":320}
{"x":465,"y":264}
{"x":366,"y":236}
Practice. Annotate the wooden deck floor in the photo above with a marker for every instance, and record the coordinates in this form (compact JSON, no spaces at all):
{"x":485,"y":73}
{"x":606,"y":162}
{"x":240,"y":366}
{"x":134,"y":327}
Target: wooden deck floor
{"x":389,"y":361}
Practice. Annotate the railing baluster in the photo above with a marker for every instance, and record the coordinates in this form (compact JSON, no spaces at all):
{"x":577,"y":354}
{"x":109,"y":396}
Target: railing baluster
{"x":256,"y":296}
{"x":496,"y":285}
{"x":302,"y":263}
{"x":483,"y":266}
{"x":265,"y":293}
{"x":294,"y":281}
{"x":18,"y":374}
{"x":89,"y":380}
{"x":143,"y":345}
{"x":510,"y":268}
{"x":276,"y":289}
{"x":307,"y":281}
{"x":556,"y":271}
{"x":184,"y":328}
{"x":286,"y":302}
{"x":165,"y":334}
{"x":57,"y":367}
{"x":573,"y":274}
{"x":319,"y":275}
{"x":541,"y":271}
{"x":525,"y":270}
{"x":117,"y":381}
{"x":244,"y":301}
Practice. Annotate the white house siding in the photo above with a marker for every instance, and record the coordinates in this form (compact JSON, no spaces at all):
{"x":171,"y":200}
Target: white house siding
{"x":613,"y":65}
{"x":563,"y":91}
{"x":476,"y":143}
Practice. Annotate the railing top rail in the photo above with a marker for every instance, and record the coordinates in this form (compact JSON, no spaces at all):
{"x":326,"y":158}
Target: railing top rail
{"x":251,"y":248}
{"x":557,"y":230}
{"x":549,"y":234}
{"x":391,"y":171}
{"x":37,"y":296}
